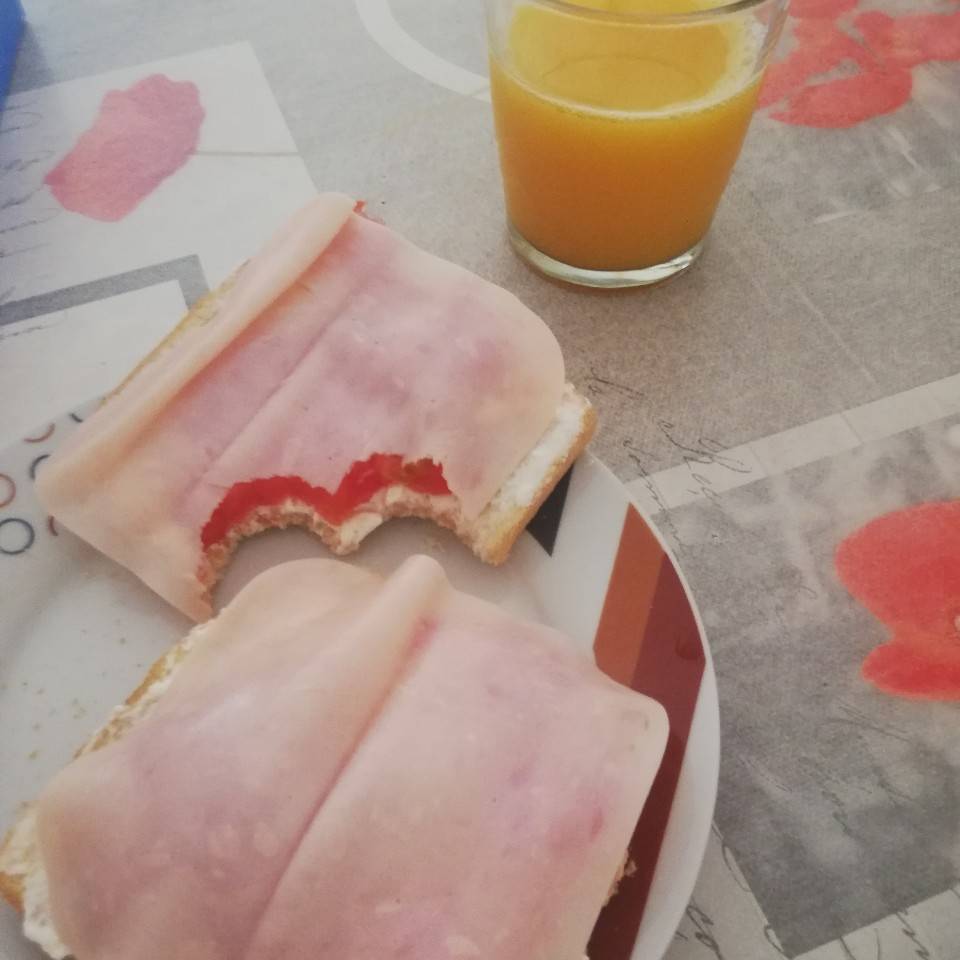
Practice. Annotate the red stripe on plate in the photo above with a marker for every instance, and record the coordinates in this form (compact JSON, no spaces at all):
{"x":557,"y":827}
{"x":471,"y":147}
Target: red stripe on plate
{"x":629,"y":599}
{"x":669,"y":667}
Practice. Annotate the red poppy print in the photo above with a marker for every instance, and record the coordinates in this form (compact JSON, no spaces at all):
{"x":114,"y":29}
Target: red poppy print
{"x":904,"y":567}
{"x":140,"y":137}
{"x":870,"y":54}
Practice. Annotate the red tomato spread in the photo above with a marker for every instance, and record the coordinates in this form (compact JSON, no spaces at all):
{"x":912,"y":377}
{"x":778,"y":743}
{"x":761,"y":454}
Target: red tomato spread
{"x":362,"y":482}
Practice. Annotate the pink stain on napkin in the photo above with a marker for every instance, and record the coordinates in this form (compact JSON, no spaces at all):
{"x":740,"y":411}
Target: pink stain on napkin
{"x":904,"y":567}
{"x":140,"y":137}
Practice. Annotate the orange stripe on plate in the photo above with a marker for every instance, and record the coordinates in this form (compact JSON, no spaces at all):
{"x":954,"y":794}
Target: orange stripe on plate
{"x":629,"y":599}
{"x":668,"y":666}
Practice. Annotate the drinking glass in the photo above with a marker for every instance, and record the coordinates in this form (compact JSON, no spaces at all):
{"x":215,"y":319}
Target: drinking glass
{"x":618,"y":124}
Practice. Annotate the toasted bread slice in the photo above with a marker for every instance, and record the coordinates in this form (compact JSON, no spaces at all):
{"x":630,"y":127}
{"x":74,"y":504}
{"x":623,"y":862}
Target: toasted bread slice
{"x":23,"y":881}
{"x":491,"y":536}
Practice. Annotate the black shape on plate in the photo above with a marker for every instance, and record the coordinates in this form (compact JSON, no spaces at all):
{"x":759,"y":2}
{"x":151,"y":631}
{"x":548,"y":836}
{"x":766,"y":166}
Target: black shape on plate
{"x":546,"y":521}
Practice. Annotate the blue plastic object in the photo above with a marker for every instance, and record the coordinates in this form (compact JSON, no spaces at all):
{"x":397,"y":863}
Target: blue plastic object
{"x":11,"y":29}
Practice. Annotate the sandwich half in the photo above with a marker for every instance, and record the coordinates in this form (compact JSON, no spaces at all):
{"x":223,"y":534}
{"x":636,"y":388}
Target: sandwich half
{"x":341,"y":377}
{"x":349,"y":767}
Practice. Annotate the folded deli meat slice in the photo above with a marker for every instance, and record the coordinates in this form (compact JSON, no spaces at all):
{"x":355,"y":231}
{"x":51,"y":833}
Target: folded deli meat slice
{"x":174,"y":839}
{"x":346,"y":767}
{"x":343,"y":377}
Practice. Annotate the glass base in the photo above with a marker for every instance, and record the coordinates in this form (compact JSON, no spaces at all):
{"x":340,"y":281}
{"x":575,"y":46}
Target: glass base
{"x":609,"y":279}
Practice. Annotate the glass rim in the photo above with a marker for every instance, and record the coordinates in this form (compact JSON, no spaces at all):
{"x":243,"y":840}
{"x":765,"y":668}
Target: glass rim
{"x":689,"y":16}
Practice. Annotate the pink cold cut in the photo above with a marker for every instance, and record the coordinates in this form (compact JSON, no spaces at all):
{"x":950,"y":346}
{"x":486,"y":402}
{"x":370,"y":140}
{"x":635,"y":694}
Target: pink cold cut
{"x":338,"y":342}
{"x":141,"y":136}
{"x":353,"y":768}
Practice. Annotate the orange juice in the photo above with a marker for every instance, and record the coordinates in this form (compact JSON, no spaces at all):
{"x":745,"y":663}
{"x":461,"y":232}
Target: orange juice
{"x":617,"y":137}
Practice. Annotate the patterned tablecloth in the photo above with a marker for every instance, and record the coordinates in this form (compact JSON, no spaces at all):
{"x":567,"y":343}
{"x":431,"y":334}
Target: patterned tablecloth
{"x":799,"y":382}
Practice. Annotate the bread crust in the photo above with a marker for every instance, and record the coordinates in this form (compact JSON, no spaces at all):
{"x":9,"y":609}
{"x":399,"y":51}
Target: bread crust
{"x":11,"y":884}
{"x":12,"y":880}
{"x":496,"y":549}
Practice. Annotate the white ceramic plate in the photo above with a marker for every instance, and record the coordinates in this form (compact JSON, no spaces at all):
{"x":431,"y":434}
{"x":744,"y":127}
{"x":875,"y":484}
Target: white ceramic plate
{"x":77,"y":632}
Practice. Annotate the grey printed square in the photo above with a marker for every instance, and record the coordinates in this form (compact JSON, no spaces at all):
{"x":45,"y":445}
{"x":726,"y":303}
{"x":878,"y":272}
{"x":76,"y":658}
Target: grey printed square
{"x":839,"y":802}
